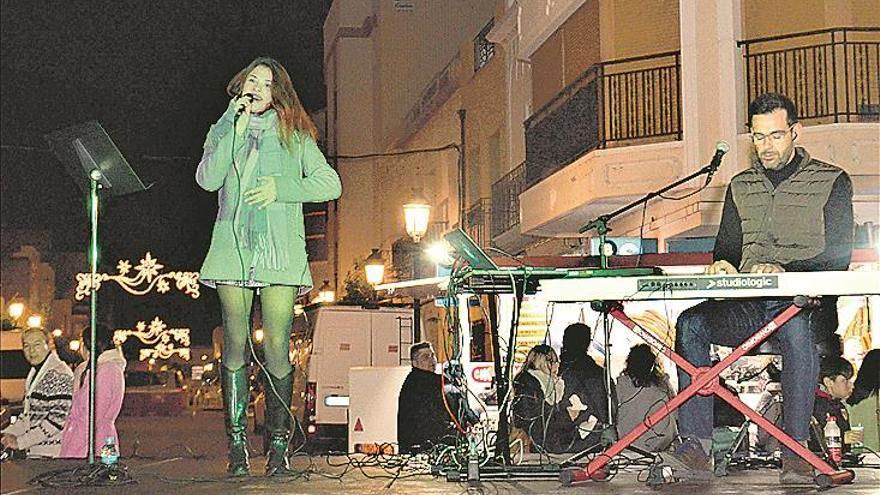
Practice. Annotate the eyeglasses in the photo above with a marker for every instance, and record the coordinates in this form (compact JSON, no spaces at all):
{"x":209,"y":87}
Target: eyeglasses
{"x":774,"y":136}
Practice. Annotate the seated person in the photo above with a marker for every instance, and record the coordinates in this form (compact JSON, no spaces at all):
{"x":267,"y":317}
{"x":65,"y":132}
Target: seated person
{"x":724,"y":414}
{"x":48,"y":390}
{"x":423,"y":419}
{"x":584,"y":379}
{"x":537,"y":397}
{"x":864,"y":403}
{"x":109,"y":393}
{"x":642,"y":389}
{"x":835,"y":386}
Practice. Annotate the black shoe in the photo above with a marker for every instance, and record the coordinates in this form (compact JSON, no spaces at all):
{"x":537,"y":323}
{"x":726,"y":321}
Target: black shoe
{"x":796,"y":471}
{"x":690,"y":462}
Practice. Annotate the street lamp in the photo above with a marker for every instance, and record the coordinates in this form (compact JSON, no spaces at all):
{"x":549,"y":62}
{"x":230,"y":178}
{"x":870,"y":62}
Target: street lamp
{"x":16,"y":309}
{"x":416,"y":213}
{"x":375,"y":267}
{"x":326,"y":293}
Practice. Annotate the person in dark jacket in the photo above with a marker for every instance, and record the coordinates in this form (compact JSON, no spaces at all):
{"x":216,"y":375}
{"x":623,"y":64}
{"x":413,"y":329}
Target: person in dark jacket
{"x":424,"y":419}
{"x":585,"y":379}
{"x":537,"y":398}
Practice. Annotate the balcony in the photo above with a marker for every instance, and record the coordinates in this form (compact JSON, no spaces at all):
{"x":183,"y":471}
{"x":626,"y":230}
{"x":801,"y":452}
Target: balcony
{"x":477,"y":219}
{"x":831,"y":75}
{"x":505,"y":211}
{"x":614,"y":103}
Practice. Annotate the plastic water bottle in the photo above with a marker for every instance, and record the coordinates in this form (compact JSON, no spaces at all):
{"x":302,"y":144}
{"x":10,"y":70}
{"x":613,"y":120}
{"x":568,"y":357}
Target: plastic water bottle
{"x":110,"y":458}
{"x":473,"y":465}
{"x":832,"y":439}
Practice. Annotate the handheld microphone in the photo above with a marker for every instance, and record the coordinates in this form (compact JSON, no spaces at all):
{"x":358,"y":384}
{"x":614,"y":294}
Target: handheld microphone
{"x":721,"y":147}
{"x":240,"y":110}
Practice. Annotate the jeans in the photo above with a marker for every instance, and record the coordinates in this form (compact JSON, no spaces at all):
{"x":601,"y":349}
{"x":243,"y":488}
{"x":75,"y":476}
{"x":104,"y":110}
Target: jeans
{"x":731,"y":322}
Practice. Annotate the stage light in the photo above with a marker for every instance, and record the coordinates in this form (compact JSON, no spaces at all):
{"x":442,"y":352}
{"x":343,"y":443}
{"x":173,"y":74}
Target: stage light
{"x":439,"y":253}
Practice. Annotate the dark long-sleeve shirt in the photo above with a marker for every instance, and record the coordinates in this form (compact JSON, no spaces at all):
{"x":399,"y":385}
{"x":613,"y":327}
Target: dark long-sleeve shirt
{"x":422,"y":418}
{"x":838,"y":227}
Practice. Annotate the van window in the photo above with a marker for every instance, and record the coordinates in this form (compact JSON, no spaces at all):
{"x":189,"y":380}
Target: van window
{"x":13,"y":364}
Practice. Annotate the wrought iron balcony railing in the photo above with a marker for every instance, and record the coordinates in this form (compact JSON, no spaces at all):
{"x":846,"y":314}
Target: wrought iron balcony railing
{"x":505,"y":200}
{"x":478,"y":218}
{"x":614,"y":103}
{"x":831,"y":75}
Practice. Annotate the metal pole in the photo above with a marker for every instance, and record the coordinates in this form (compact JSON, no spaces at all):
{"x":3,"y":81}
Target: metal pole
{"x":417,"y":304}
{"x":93,"y":304}
{"x":462,"y":164}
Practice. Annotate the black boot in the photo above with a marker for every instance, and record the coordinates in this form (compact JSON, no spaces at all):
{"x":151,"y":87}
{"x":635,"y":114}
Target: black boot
{"x":236,"y":392}
{"x":278,"y":422}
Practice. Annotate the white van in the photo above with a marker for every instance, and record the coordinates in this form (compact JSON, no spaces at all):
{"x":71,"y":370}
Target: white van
{"x":327,"y":341}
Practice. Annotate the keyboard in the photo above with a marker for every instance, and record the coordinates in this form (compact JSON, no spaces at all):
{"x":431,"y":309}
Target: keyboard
{"x":502,"y":281}
{"x":785,"y":284}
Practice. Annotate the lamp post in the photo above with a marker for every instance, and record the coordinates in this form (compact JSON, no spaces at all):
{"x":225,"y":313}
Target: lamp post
{"x":375,"y":268}
{"x":34,"y":321}
{"x":15,"y":310}
{"x":326,"y":294}
{"x":416,"y":214}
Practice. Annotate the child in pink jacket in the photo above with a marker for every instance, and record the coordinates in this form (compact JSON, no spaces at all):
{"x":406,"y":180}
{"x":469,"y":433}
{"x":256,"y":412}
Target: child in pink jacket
{"x":109,"y":392}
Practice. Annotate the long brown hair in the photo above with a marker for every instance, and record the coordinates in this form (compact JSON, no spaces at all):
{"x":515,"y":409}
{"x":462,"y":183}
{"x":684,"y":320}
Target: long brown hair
{"x":285,"y":101}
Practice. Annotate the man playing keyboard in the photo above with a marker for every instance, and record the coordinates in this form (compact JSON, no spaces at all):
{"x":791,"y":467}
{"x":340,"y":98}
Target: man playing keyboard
{"x":787,"y":212}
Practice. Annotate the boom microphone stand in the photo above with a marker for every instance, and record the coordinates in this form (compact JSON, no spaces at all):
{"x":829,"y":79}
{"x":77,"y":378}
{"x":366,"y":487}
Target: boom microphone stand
{"x":600,"y":224}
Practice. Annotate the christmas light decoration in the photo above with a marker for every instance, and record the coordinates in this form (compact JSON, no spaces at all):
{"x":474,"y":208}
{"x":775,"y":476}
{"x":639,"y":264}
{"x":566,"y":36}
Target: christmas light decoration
{"x":147,"y":272}
{"x":166,"y":341}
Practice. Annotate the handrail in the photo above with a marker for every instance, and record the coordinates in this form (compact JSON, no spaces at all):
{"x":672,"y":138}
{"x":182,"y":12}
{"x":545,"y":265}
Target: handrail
{"x":592,"y":70}
{"x":807,"y":33}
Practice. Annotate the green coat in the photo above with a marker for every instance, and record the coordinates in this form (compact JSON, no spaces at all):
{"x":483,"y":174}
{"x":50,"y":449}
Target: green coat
{"x":301,"y":174}
{"x":867,"y":414}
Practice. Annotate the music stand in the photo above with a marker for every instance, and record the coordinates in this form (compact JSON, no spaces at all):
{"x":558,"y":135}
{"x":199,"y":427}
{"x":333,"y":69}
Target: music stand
{"x":95,"y":163}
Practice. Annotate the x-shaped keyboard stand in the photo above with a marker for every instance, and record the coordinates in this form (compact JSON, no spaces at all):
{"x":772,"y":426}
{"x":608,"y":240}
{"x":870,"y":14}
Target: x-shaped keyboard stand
{"x":704,"y":381}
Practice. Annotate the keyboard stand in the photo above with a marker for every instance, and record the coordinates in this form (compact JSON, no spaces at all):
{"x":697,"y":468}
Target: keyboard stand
{"x":704,"y":381}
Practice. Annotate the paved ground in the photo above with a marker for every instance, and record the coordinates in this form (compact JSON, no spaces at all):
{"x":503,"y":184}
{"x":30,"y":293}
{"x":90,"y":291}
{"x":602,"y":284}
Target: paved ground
{"x":187,"y":455}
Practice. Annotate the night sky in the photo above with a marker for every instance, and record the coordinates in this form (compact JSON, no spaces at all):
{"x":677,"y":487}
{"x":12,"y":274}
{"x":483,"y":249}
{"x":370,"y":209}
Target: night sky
{"x":154,"y":75}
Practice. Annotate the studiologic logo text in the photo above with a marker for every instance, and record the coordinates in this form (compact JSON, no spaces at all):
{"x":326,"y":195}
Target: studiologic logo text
{"x":742,"y":283}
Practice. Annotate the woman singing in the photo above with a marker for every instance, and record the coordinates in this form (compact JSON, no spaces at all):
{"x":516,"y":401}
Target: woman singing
{"x":262,"y":157}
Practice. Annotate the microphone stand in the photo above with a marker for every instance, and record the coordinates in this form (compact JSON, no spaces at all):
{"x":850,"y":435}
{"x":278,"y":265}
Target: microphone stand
{"x":600,"y":224}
